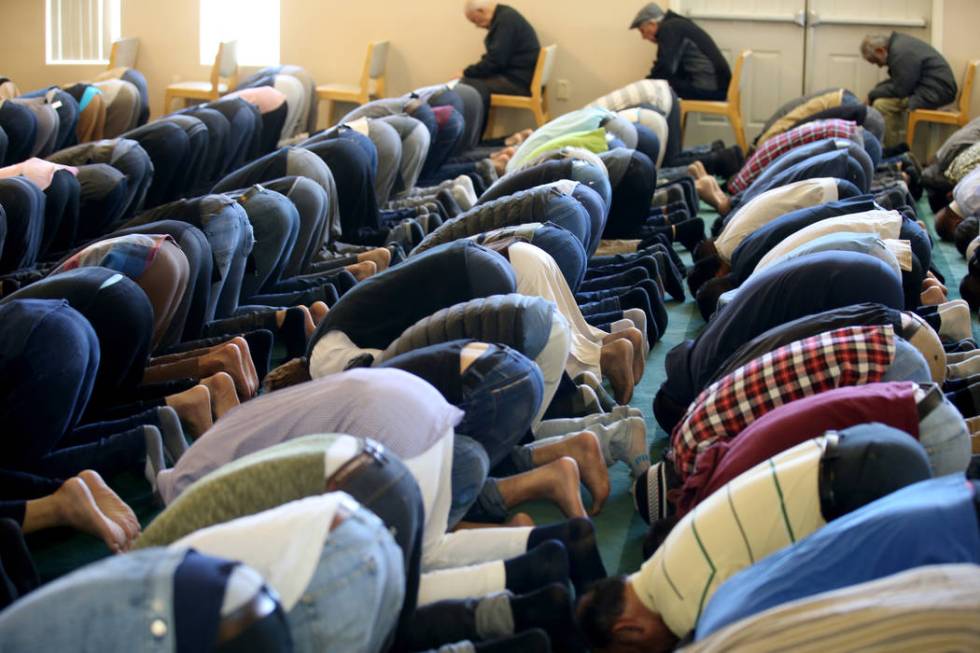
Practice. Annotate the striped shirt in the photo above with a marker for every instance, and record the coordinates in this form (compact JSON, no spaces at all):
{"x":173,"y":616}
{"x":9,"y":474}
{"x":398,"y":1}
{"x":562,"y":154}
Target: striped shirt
{"x":934,"y":608}
{"x":655,"y":92}
{"x":765,"y":509}
{"x":777,"y":146}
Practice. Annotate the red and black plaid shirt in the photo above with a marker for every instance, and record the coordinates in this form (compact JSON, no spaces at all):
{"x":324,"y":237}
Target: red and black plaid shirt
{"x":844,"y":357}
{"x":779,"y":145}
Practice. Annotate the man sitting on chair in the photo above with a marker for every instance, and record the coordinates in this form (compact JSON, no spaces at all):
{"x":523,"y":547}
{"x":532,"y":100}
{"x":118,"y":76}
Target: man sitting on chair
{"x":508,"y":65}
{"x":686,"y":56}
{"x":918,"y":78}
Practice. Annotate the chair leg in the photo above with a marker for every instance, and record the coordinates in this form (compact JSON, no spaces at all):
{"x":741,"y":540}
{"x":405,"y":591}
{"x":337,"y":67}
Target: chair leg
{"x":683,"y":125}
{"x":328,"y":109}
{"x":540,"y":117}
{"x":167,"y":99}
{"x":910,"y":131}
{"x":736,"y":119}
{"x":491,"y":114}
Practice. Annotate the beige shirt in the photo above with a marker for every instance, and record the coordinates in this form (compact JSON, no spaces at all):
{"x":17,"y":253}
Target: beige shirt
{"x":766,"y":207}
{"x":886,"y":224}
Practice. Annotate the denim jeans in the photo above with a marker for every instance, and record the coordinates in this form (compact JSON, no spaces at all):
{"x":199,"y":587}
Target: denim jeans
{"x":944,"y":435}
{"x":275,"y":225}
{"x":353,"y":600}
{"x":470,"y":469}
{"x":23,"y":203}
{"x":415,"y":148}
{"x":908,"y":364}
{"x":230,"y":235}
{"x":502,"y":392}
{"x":135,"y":588}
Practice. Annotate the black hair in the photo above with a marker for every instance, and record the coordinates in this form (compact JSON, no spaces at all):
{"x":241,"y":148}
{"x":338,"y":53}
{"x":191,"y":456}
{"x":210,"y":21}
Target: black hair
{"x":600,"y":608}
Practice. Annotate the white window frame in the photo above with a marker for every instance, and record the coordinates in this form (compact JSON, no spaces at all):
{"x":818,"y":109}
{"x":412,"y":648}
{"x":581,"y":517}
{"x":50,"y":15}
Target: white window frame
{"x":104,"y":44}
{"x":257,"y":36}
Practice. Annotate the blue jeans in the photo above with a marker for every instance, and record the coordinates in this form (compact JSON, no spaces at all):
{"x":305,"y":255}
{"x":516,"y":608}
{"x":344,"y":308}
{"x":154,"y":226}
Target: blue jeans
{"x":470,"y":469}
{"x":908,"y":365}
{"x":353,"y":600}
{"x":944,"y":435}
{"x":502,"y":391}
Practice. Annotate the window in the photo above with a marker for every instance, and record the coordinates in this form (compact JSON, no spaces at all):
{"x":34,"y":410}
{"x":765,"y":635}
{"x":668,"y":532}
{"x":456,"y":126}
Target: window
{"x":80,"y":31}
{"x":253,"y":23}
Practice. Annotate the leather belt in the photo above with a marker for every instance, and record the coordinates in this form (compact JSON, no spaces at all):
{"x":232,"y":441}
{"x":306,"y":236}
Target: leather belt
{"x":371,"y":453}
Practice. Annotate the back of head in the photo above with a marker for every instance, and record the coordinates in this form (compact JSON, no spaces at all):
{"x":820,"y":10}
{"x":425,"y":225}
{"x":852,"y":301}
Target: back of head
{"x":600,"y":608}
{"x":709,"y":293}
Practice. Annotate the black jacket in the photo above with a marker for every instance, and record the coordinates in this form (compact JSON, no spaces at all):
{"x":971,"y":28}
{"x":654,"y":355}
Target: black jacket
{"x":917,"y":72}
{"x":512,"y":48}
{"x":674,"y":38}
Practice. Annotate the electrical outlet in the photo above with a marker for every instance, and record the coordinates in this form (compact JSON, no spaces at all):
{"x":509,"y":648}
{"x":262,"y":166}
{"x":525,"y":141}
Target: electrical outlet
{"x":564,"y":89}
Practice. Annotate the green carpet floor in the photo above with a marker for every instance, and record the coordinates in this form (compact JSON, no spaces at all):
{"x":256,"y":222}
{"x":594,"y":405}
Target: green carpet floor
{"x":619,"y":527}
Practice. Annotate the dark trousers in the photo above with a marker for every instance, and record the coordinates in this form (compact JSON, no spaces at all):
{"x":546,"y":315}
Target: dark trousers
{"x":487,"y":86}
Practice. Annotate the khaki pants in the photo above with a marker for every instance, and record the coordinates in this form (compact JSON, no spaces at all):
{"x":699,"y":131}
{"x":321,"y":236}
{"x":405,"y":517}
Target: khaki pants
{"x":895,"y":111}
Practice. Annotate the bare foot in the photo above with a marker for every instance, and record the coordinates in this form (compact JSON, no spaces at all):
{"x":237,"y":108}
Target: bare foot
{"x":111,"y":505}
{"x":223,"y":395}
{"x":709,"y":191}
{"x":697,"y":170}
{"x":229,"y":359}
{"x":585,"y":449}
{"x":518,"y":138}
{"x":932,"y":282}
{"x":616,"y":362}
{"x":194,"y":409}
{"x":380,"y":256}
{"x":500,"y":164}
{"x":77,"y":508}
{"x":520,"y":520}
{"x":563,"y":486}
{"x":253,"y":374}
{"x":635,"y":338}
{"x":932,"y":296}
{"x":363,"y":270}
{"x":319,"y":310}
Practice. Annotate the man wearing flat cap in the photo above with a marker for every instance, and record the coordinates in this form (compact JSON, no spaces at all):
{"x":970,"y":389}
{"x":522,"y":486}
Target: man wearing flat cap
{"x":686,"y":56}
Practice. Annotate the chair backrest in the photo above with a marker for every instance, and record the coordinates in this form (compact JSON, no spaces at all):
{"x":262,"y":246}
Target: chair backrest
{"x":375,"y":65}
{"x":225,"y":65}
{"x":124,"y":53}
{"x":966,"y":89}
{"x":543,"y":69}
{"x":738,"y":78}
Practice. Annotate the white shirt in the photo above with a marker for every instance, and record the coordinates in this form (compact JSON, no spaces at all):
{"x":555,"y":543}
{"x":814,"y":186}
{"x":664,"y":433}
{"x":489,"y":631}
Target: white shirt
{"x":886,"y":224}
{"x":283,"y":544}
{"x":770,"y":205}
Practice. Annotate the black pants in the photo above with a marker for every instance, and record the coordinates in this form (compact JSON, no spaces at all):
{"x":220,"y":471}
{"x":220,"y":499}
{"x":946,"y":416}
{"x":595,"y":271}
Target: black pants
{"x":17,"y":573}
{"x":487,"y":86}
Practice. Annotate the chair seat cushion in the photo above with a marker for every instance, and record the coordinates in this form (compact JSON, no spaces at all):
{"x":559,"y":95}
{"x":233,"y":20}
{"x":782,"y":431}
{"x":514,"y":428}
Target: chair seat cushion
{"x":196,"y":87}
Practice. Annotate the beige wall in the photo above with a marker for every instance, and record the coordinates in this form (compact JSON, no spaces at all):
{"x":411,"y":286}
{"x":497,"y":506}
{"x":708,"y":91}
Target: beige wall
{"x":430,"y":41}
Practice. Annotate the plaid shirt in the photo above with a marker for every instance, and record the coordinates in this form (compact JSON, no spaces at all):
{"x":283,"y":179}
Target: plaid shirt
{"x":776,"y":146}
{"x":844,"y":357}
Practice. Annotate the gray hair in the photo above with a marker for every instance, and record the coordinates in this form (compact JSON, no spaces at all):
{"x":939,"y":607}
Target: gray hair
{"x":871,"y":43}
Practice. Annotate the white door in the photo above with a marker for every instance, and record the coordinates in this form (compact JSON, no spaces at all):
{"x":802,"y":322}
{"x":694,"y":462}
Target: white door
{"x":835,"y":29}
{"x":773,"y":30}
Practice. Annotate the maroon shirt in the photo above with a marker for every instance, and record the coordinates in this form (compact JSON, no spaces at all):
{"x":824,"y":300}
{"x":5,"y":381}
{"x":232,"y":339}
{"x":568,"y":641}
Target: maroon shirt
{"x":892,"y":404}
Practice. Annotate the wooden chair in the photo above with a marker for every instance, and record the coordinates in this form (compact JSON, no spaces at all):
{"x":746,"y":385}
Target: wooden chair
{"x":224,"y":76}
{"x":959,"y":117}
{"x":124,"y":53}
{"x":731,"y":108}
{"x":372,"y":81}
{"x":537,"y":103}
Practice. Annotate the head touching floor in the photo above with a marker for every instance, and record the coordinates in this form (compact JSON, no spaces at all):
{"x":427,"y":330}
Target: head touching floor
{"x":710,"y":292}
{"x":614,"y":620}
{"x":292,"y":372}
